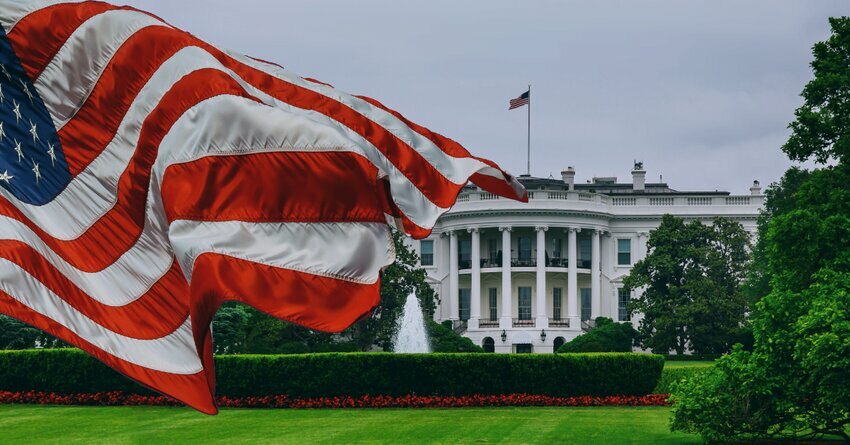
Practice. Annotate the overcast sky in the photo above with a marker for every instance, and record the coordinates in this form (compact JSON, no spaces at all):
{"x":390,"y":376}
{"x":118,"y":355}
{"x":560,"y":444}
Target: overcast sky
{"x":702,"y":92}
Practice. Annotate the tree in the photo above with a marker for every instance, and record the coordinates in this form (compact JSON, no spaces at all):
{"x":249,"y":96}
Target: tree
{"x":230,"y":327}
{"x":820,"y":128}
{"x":796,"y":381}
{"x":692,"y":278}
{"x":444,"y":339}
{"x":606,"y":336}
{"x":398,"y":281}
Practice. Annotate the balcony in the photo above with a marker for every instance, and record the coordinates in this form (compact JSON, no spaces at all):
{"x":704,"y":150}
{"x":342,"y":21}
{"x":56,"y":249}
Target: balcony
{"x":559,"y":322}
{"x":523,"y":322}
{"x":523,"y":262}
{"x":583,"y":263}
{"x":483,"y":323}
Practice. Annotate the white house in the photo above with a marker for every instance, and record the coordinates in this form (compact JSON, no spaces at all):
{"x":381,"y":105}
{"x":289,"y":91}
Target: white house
{"x":570,"y":247}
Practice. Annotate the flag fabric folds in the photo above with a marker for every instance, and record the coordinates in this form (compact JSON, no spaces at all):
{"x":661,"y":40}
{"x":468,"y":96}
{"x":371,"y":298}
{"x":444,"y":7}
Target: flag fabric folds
{"x":523,"y":99}
{"x":147,"y":176}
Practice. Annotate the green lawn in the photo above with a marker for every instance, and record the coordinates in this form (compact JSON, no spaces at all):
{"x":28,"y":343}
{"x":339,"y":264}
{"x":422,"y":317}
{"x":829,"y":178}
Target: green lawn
{"x":153,"y":425}
{"x":686,"y":364}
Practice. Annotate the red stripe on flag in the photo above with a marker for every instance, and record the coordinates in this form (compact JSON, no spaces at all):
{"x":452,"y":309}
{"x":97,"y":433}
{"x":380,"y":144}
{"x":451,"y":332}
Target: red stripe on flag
{"x":317,"y":302}
{"x":154,"y":314}
{"x":191,"y":389}
{"x":38,"y":36}
{"x":94,"y":126}
{"x":120,"y":227}
{"x":274,"y":187}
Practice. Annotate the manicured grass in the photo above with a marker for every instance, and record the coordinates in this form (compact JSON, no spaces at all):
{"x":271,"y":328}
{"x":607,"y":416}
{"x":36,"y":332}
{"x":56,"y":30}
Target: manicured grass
{"x":154,"y":425}
{"x":685,"y":364}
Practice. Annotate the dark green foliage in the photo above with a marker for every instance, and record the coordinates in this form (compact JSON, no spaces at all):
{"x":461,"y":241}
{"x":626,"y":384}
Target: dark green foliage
{"x":398,"y":281}
{"x":672,"y":375}
{"x":796,"y":381}
{"x":354,"y":374}
{"x":692,"y":277}
{"x":820,"y":128}
{"x":607,"y":336}
{"x":18,"y":335}
{"x":444,"y":339}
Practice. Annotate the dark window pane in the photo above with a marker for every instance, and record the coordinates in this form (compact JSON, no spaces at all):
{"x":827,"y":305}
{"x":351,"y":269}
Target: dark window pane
{"x":426,"y":248}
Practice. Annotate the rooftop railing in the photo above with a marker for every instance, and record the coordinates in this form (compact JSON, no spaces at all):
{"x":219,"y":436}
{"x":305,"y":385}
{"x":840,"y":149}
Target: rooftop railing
{"x":623,"y":201}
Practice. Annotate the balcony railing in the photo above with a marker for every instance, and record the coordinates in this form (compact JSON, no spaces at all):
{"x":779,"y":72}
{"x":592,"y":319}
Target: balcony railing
{"x":484,"y":323}
{"x":559,"y":322}
{"x":523,"y":322}
{"x":517,"y":262}
{"x":583,"y":263}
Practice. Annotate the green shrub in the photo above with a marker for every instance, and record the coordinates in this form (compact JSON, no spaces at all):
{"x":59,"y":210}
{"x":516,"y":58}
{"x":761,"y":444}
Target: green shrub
{"x":607,"y":336}
{"x":671,"y":375}
{"x":356,"y":374}
{"x":445,"y":339}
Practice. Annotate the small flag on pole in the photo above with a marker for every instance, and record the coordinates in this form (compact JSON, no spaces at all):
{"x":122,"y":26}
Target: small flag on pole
{"x":520,"y":101}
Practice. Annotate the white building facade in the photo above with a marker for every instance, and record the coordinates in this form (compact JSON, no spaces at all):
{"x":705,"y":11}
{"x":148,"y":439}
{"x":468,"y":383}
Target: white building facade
{"x":527,"y":277}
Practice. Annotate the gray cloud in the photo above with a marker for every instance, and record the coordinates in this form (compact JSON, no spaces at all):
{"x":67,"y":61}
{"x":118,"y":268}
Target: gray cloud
{"x":701,"y":91}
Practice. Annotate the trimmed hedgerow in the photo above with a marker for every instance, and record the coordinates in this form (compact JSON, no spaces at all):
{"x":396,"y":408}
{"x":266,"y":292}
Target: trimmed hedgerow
{"x":359,"y":374}
{"x":672,"y":375}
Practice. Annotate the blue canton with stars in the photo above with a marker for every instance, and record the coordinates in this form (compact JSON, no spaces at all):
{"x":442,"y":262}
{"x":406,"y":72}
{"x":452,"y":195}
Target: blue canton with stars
{"x":32,"y":165}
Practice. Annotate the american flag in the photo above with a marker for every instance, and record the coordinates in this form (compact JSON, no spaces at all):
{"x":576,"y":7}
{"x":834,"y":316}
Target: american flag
{"x":147,"y":176}
{"x":520,"y":101}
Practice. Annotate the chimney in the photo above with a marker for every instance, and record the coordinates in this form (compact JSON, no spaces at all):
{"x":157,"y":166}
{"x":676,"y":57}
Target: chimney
{"x":638,"y":177}
{"x":755,"y":190}
{"x":569,"y":177}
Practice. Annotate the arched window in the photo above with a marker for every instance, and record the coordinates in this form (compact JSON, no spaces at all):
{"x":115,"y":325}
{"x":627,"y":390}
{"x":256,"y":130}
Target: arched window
{"x":559,"y":341}
{"x":489,"y":345}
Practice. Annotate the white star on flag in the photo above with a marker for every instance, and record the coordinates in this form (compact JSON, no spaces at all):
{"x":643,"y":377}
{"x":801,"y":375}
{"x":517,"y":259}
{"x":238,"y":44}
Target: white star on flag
{"x":5,"y":176}
{"x":26,"y":90}
{"x":33,"y":131}
{"x":51,"y":153}
{"x":2,"y":132}
{"x":16,"y":110}
{"x":35,"y":170}
{"x":3,"y":67}
{"x":18,"y":150}
{"x":1,"y":94}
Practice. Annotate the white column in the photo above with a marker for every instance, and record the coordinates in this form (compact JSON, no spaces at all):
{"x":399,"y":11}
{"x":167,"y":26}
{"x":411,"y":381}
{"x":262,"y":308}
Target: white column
{"x":454,"y":311}
{"x":506,"y":321}
{"x":572,"y":282}
{"x":541,"y":320}
{"x":596,"y":252}
{"x":475,"y":291}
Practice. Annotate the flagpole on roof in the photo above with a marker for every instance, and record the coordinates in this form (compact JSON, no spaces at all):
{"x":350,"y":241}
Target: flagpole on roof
{"x":528,"y":166}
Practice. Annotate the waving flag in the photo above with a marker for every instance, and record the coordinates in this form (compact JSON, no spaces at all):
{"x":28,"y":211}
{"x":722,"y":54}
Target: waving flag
{"x":147,"y":176}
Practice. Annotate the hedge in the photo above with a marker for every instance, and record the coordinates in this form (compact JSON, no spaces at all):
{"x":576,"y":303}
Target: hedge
{"x":66,"y":371}
{"x":672,"y":374}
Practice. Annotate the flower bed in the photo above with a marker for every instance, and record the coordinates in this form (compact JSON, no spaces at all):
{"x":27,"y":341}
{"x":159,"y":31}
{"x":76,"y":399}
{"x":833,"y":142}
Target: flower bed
{"x":118,"y":398}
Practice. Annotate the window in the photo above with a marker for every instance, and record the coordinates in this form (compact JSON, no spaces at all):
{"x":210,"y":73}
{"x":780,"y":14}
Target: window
{"x":465,"y":252}
{"x":494,"y":303}
{"x":524,"y":249}
{"x":463,"y":304}
{"x":523,"y":348}
{"x":493,"y":249}
{"x":623,"y":299}
{"x":524,"y":303}
{"x":426,"y":252}
{"x":624,"y":252}
{"x":559,"y":341}
{"x":557,"y":247}
{"x":585,"y":303}
{"x":584,"y":253}
{"x":556,"y":303}
{"x":489,"y":345}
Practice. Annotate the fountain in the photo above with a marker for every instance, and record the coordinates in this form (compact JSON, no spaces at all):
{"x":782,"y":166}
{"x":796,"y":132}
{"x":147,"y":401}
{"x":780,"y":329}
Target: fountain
{"x":411,"y":335}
